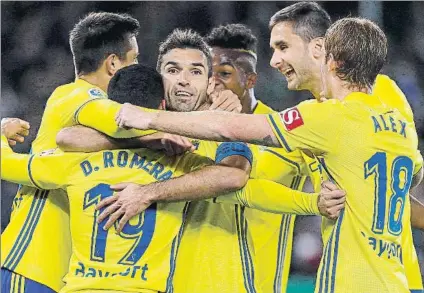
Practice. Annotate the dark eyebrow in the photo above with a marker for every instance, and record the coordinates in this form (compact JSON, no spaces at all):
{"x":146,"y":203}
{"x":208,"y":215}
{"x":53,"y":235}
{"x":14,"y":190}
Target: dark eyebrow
{"x":279,"y":43}
{"x":171,"y":63}
{"x":198,"y":64}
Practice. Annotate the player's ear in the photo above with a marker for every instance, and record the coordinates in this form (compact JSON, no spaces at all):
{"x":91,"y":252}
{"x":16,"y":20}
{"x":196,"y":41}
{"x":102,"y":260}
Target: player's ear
{"x":113,"y":64}
{"x":316,"y":47}
{"x":251,"y":80}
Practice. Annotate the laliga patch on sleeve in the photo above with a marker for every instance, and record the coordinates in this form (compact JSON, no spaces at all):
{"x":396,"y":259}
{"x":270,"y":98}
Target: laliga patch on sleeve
{"x":47,"y":152}
{"x":95,"y":93}
{"x":291,"y":118}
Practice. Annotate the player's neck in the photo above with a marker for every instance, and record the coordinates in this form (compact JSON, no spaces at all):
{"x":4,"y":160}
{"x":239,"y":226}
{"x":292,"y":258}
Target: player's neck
{"x":341,"y":89}
{"x":315,"y":86}
{"x":96,"y":79}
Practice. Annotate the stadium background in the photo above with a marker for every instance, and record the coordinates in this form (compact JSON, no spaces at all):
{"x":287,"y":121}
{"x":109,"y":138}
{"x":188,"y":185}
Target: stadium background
{"x":36,"y":59}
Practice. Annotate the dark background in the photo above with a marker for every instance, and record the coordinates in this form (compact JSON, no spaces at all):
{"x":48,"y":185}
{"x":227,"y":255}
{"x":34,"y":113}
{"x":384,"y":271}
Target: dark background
{"x":36,"y":59}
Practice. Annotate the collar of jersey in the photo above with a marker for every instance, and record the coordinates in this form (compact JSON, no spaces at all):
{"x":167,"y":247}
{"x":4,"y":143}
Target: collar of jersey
{"x":84,"y":83}
{"x":261,"y":108}
{"x":371,"y":100}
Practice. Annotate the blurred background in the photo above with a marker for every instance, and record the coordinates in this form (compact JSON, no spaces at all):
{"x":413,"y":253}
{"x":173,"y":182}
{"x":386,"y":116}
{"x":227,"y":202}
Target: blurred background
{"x":36,"y":59}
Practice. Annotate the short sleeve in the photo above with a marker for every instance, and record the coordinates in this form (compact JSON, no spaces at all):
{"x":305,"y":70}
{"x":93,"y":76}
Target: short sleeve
{"x":310,"y":125}
{"x":100,"y":114}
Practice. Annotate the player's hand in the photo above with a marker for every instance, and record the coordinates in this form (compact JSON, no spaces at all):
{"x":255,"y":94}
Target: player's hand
{"x":331,"y":200}
{"x":130,"y":116}
{"x":170,"y":144}
{"x":225,"y":100}
{"x":15,"y":130}
{"x":128,"y":201}
{"x":173,"y":144}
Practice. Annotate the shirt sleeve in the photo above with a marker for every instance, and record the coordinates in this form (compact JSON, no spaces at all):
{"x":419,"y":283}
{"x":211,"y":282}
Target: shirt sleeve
{"x":228,"y":149}
{"x":310,"y":125}
{"x":268,"y":196}
{"x":190,"y":162}
{"x":100,"y":115}
{"x":43,"y":171}
{"x":418,"y":163}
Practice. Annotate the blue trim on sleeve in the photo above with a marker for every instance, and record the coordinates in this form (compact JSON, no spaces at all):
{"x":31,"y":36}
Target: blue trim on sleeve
{"x":274,"y":125}
{"x":76,"y":114}
{"x":228,"y":149}
{"x":30,"y":174}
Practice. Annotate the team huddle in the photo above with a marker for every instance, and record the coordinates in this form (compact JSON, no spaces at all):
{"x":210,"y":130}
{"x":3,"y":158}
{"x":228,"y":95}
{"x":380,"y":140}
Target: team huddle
{"x":178,"y":179}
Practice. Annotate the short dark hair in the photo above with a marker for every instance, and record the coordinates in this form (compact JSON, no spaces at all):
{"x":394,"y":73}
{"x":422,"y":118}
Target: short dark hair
{"x":309,"y":20}
{"x":185,"y":39}
{"x":98,"y":35}
{"x":232,"y":36}
{"x":359,"y":48}
{"x":137,"y":84}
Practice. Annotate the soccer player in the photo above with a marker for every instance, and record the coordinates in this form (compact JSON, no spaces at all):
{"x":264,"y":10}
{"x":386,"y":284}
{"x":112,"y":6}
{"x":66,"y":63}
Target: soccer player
{"x":211,"y":248}
{"x":296,"y":38}
{"x":234,"y":65}
{"x":36,"y":245}
{"x":141,"y":257}
{"x":376,"y":175}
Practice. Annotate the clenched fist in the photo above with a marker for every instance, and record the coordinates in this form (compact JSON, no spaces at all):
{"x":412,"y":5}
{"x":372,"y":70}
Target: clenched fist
{"x":225,"y":100}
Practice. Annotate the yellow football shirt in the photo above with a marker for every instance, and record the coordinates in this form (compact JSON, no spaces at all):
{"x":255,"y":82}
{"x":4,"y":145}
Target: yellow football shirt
{"x":258,"y":244}
{"x":369,"y":150}
{"x":142,"y":257}
{"x":271,"y":235}
{"x":210,"y":257}
{"x":36,"y":243}
{"x":390,"y":94}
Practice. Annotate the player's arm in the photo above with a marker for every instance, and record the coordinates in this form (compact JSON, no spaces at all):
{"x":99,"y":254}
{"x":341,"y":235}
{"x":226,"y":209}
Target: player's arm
{"x":417,"y":207}
{"x":43,"y":172}
{"x":99,"y":114}
{"x":307,"y":126}
{"x":231,"y":173}
{"x":418,"y":170}
{"x":84,"y":139}
{"x":208,"y":125}
{"x":269,"y":196}
{"x":272,"y":197}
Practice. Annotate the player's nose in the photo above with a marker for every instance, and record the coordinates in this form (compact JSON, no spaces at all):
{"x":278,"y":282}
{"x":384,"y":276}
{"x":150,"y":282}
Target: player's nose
{"x":183,"y":79}
{"x":275,"y":60}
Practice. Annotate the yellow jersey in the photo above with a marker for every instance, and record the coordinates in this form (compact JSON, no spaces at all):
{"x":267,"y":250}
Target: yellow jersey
{"x":390,"y":94}
{"x":141,"y":258}
{"x":370,"y":151}
{"x":271,"y":235}
{"x":36,"y":243}
{"x":257,"y":244}
{"x":211,"y":258}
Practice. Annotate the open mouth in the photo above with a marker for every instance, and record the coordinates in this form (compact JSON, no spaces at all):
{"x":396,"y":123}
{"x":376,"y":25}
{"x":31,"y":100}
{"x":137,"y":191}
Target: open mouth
{"x":289,"y":72}
{"x":183,"y":94}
